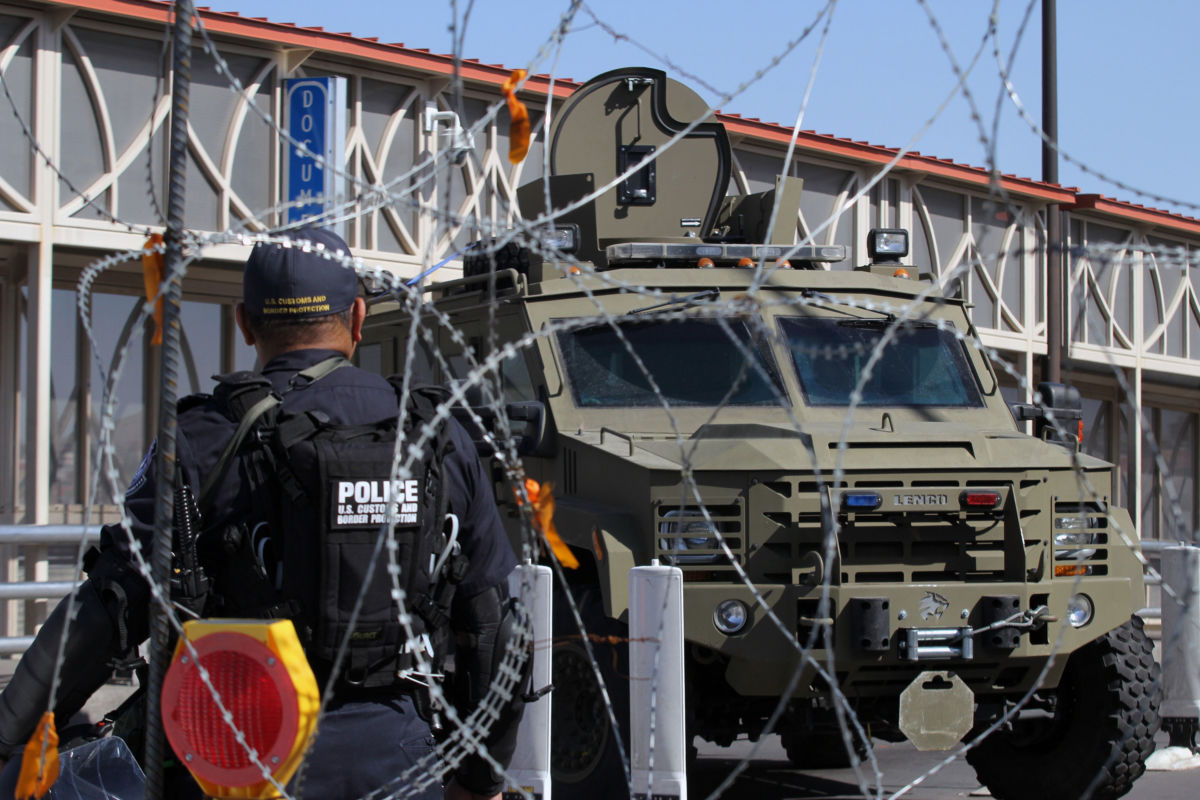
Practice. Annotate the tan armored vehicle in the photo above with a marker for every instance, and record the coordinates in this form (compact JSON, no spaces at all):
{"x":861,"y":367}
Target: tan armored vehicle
{"x":865,"y":531}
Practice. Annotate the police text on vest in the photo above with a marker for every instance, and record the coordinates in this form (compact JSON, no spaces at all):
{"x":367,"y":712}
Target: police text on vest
{"x":366,"y":502}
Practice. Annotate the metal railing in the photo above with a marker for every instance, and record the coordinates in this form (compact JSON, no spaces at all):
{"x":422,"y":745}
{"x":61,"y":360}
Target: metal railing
{"x":30,"y":544}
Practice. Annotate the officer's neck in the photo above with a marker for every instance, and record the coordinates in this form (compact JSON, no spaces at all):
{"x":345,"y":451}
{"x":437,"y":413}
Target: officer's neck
{"x":337,"y":339}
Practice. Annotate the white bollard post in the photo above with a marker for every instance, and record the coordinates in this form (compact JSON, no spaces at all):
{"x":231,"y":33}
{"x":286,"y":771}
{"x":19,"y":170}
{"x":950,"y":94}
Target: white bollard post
{"x":658,"y":745}
{"x":1181,"y":632}
{"x":530,"y":767}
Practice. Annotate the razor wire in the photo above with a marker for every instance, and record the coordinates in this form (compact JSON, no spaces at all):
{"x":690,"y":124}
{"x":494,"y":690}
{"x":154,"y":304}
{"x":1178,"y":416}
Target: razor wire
{"x":763,"y":301}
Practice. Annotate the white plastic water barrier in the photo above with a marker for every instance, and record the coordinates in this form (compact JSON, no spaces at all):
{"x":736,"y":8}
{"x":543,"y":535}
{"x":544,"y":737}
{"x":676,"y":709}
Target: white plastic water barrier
{"x":656,"y":694}
{"x":1181,"y":632}
{"x":530,"y":767}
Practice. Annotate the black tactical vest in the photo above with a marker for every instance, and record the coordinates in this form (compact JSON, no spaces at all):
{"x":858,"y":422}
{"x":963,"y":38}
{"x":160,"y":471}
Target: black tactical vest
{"x":315,"y":548}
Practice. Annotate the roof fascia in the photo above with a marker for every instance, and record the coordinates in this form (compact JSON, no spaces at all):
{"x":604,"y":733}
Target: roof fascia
{"x":1132,"y":213}
{"x":342,"y":44}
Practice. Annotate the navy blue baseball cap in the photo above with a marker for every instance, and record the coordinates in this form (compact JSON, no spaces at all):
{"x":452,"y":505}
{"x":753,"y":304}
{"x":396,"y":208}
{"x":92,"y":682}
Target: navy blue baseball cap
{"x":282,"y":282}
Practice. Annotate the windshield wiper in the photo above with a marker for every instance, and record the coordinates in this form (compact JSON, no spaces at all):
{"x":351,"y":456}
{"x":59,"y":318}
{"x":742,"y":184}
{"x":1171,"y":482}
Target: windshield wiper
{"x":811,"y":294}
{"x":881,"y":324}
{"x":683,"y":302}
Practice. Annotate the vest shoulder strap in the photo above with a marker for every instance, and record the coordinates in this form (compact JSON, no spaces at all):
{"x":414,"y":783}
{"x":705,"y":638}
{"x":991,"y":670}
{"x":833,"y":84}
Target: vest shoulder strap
{"x":247,"y":397}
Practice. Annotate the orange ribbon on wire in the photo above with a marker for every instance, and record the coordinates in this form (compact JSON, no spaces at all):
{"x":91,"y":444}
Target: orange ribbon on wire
{"x":38,"y":774}
{"x":542,"y":498}
{"x":154,"y":270}
{"x":518,"y":129}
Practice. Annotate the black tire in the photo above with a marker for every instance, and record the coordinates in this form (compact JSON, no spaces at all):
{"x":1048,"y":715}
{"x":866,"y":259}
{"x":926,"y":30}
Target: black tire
{"x":585,"y":760}
{"x":820,"y":750}
{"x":1102,"y":731}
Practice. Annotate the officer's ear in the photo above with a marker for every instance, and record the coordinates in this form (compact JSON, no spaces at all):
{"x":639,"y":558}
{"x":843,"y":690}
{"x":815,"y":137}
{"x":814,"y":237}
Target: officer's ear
{"x":243,"y":322}
{"x":358,"y":313}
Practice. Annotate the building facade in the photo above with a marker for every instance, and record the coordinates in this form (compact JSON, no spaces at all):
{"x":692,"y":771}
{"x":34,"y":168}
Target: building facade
{"x":83,"y":140}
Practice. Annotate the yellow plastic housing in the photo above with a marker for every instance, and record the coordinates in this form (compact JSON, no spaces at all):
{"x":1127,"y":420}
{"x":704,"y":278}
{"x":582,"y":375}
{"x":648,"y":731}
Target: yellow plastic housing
{"x":270,"y":654}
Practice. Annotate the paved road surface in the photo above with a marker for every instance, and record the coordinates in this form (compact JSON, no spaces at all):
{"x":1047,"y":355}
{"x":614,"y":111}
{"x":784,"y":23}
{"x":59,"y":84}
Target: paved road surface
{"x":770,"y":777}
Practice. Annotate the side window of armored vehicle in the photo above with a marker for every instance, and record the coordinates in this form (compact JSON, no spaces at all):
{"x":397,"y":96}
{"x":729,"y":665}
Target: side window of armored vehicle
{"x":516,"y":384}
{"x":692,"y":362}
{"x":387,"y":355}
{"x":921,"y":364}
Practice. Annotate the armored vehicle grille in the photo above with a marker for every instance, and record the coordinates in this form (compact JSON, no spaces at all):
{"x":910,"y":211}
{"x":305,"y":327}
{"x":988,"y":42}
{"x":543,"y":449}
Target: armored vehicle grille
{"x":924,"y":531}
{"x":916,"y":547}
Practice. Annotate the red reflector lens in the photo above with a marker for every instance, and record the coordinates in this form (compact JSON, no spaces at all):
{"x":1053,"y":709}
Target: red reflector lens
{"x":257,"y":691}
{"x":247,"y":692}
{"x":981,"y":499}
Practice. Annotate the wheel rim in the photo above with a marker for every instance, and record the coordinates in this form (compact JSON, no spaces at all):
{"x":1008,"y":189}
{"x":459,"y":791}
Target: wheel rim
{"x":579,"y":721}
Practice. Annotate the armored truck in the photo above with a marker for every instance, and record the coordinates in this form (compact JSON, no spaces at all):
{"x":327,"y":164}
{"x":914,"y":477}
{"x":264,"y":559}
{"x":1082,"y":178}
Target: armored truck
{"x":872,"y":545}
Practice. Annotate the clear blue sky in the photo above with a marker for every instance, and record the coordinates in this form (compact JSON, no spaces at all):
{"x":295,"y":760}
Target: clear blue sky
{"x":1127,"y":70}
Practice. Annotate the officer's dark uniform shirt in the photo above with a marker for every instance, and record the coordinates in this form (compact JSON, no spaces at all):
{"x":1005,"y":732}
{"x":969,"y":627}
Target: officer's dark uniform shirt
{"x":349,"y":396}
{"x":360,"y":745}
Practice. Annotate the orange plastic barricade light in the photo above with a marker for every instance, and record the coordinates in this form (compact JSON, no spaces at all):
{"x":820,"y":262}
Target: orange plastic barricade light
{"x":263,"y":679}
{"x":39,"y":770}
{"x":541,"y":495}
{"x":901,"y":272}
{"x":518,"y":129}
{"x":154,"y":271}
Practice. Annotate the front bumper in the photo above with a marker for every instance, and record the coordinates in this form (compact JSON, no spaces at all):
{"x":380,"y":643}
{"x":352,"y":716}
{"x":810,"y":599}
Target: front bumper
{"x":905,"y":629}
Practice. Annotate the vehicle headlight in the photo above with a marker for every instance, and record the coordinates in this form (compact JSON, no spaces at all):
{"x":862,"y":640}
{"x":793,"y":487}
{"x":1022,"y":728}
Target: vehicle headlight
{"x":1080,"y":610}
{"x":1074,"y":539}
{"x":678,"y":534}
{"x":1076,"y":522}
{"x":731,"y":616}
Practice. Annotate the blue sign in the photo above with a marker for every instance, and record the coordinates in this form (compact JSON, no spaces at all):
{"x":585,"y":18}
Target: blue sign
{"x":316,"y":118}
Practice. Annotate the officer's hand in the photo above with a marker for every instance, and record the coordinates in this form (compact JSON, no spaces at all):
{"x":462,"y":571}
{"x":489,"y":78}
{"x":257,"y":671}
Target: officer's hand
{"x":455,"y":792}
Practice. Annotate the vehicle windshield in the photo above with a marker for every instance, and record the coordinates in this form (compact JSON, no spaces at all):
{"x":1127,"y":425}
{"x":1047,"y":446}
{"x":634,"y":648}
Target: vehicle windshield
{"x":693,"y":362}
{"x":922,"y":365}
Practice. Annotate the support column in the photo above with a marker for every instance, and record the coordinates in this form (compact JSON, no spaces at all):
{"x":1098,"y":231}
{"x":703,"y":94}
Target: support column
{"x":1133,"y":377}
{"x":83,"y":413}
{"x":38,"y":414}
{"x":10,"y":398}
{"x":1055,"y":252}
{"x":40,"y":269}
{"x":37,"y":400}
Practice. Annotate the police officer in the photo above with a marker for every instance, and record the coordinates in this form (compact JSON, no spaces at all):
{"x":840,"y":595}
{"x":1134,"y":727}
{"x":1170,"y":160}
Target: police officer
{"x":300,"y":309}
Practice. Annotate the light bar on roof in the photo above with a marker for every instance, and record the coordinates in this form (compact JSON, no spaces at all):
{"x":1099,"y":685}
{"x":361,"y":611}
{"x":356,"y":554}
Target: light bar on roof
{"x":633,"y":252}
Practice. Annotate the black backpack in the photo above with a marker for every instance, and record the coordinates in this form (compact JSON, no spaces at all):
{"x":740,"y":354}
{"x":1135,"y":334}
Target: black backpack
{"x":314,"y":549}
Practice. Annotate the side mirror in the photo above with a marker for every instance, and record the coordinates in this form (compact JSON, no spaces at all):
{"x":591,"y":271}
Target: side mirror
{"x":535,"y":440}
{"x":532,"y":431}
{"x":1061,"y":401}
